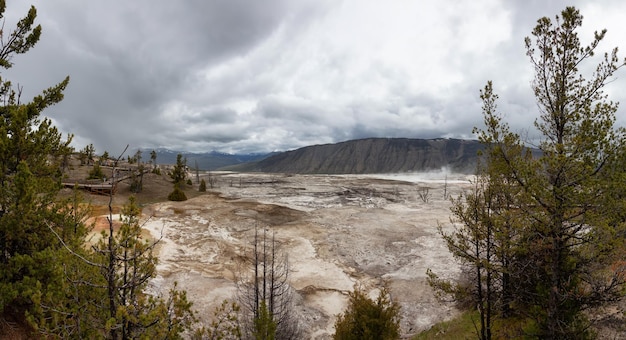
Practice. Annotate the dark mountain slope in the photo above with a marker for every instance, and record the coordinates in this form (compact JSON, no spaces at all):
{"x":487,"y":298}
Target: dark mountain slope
{"x":374,"y":155}
{"x":205,"y":161}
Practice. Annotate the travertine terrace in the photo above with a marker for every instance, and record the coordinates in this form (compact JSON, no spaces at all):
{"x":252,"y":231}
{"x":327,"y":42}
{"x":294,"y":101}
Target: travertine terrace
{"x":337,"y":231}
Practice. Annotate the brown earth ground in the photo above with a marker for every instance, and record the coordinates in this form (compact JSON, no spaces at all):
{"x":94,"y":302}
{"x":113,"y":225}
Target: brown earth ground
{"x":338,"y":231}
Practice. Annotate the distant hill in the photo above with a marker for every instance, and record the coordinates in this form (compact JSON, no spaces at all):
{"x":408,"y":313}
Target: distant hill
{"x":373,"y":155}
{"x":206,"y":161}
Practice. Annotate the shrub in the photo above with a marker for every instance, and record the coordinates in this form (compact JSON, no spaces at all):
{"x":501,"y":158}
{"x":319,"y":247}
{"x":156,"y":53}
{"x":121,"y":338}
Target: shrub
{"x":367,"y":319}
{"x":96,"y":172}
{"x":135,"y":186}
{"x":202,"y":187}
{"x":177,"y":195}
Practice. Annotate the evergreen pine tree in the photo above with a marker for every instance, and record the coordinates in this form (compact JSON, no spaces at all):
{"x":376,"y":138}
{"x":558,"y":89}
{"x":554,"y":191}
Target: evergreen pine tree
{"x":555,"y":212}
{"x":32,"y":155}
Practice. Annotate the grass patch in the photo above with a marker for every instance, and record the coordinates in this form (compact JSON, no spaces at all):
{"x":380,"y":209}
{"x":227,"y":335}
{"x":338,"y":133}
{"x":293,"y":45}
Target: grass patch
{"x":466,"y":325}
{"x":462,"y":327}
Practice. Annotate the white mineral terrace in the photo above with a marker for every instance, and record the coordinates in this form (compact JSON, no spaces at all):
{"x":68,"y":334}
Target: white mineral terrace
{"x":337,"y":231}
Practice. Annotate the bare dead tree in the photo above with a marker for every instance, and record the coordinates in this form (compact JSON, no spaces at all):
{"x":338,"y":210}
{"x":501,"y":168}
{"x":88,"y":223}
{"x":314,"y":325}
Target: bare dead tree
{"x":213,"y":181}
{"x":197,"y":171}
{"x":424,"y":194}
{"x":266,"y":285}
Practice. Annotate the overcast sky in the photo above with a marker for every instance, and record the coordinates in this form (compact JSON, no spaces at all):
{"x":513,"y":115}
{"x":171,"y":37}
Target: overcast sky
{"x":255,"y":76}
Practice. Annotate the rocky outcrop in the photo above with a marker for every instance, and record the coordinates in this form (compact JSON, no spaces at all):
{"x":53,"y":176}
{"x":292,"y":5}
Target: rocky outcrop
{"x":375,"y":155}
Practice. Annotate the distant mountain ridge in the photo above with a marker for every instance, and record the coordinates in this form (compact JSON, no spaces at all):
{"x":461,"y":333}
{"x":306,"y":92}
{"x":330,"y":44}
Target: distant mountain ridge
{"x":373,"y":155}
{"x":205,"y":161}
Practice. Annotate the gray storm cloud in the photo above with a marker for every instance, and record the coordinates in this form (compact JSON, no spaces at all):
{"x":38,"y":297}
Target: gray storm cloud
{"x":249,"y":76}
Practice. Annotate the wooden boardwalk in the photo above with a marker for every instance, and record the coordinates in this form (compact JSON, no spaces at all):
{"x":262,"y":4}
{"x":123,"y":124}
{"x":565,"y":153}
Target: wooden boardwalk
{"x":100,"y":187}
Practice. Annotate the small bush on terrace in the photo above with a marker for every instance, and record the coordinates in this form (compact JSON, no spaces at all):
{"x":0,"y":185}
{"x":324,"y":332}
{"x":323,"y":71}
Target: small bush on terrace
{"x":177,"y":195}
{"x":96,"y":172}
{"x":368,"y":319}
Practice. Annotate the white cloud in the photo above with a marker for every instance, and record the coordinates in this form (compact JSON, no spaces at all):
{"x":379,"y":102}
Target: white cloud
{"x":244,"y":76}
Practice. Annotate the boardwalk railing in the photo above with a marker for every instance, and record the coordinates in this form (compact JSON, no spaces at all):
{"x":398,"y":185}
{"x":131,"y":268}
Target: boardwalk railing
{"x":106,"y":187}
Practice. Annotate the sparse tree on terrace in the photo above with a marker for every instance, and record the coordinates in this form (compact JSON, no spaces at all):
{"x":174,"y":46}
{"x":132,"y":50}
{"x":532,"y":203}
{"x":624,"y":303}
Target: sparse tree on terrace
{"x":104,"y":157}
{"x":225,"y":324}
{"x":565,"y":201}
{"x":575,"y":187}
{"x":178,"y":175}
{"x":265,"y":296}
{"x":153,"y":157}
{"x":179,"y":172}
{"x":96,"y":172}
{"x":136,"y":176}
{"x":87,"y":154}
{"x":369,"y":320}
{"x":197,"y":170}
{"x":153,"y":160}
